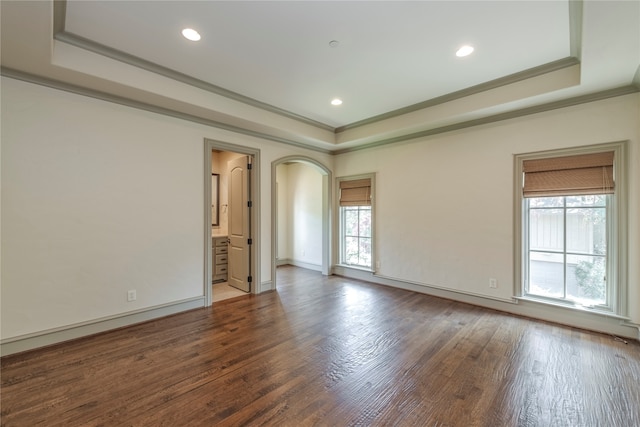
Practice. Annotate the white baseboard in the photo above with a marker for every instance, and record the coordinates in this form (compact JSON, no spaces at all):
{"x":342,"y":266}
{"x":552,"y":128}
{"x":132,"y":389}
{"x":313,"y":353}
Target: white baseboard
{"x":560,"y":315}
{"x":266,"y":286}
{"x":565,"y":316}
{"x":54,"y":336}
{"x":301,"y":264}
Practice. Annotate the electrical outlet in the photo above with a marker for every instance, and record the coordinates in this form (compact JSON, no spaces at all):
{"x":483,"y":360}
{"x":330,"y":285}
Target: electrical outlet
{"x":377,"y":265}
{"x":493,"y":283}
{"x":131,"y":295}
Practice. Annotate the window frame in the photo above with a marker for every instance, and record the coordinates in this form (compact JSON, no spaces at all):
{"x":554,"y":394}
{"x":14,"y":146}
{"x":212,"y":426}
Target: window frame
{"x":341,"y":226}
{"x":566,"y":252}
{"x":616,"y":211}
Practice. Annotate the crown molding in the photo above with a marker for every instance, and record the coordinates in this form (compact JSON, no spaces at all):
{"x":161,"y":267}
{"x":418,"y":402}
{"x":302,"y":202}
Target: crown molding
{"x":135,"y":61}
{"x":482,"y":87}
{"x":59,"y":16}
{"x":60,"y":34}
{"x":583,"y":99}
{"x":79,"y":90}
{"x":575,"y":15}
{"x":575,"y":28}
{"x":575,"y":51}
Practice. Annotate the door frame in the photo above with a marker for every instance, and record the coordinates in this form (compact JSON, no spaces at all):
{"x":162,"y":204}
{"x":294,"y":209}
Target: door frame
{"x":326,"y":212}
{"x":254,"y":182}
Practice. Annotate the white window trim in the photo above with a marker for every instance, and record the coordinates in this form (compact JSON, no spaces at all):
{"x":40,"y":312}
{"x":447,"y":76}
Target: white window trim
{"x":617,"y":251}
{"x":340,"y":251}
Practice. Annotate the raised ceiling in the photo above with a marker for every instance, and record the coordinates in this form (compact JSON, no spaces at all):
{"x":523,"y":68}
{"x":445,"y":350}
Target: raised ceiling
{"x":267,"y":67}
{"x":390,"y":54}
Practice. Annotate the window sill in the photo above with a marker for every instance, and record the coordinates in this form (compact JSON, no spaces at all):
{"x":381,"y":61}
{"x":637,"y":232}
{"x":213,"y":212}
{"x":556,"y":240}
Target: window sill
{"x":572,"y":306}
{"x":356,"y":267}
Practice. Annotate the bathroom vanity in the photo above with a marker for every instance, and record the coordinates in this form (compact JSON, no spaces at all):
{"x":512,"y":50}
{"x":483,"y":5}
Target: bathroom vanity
{"x":219,"y":251}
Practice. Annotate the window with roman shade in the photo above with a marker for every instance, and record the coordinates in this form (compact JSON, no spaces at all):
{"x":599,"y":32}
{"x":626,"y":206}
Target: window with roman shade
{"x":356,"y":221}
{"x":571,"y":226}
{"x":569,"y":176}
{"x":355,"y":192}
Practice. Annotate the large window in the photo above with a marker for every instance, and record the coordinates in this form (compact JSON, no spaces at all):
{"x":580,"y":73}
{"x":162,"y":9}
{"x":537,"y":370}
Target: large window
{"x":356,"y":221}
{"x":357,"y":235}
{"x":567,"y":248}
{"x":570,"y":244}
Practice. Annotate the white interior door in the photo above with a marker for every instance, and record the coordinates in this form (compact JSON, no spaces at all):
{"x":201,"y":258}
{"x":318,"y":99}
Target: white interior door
{"x":239,"y":271}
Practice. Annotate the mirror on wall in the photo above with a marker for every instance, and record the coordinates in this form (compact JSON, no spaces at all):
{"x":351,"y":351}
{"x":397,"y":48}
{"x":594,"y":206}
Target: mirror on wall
{"x":215,"y":198}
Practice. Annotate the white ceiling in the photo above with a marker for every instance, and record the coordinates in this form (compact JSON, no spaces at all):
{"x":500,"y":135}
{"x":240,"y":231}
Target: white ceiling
{"x":391,"y":54}
{"x":264,"y":65}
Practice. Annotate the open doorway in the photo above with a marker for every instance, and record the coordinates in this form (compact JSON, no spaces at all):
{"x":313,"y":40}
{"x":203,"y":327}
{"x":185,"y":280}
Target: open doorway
{"x":231,"y":220}
{"x":300,"y":214}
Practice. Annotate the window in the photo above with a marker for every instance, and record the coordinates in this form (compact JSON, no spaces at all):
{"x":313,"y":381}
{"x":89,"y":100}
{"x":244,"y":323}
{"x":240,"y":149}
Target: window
{"x":570,"y":244}
{"x":356,"y":221}
{"x":567,"y":248}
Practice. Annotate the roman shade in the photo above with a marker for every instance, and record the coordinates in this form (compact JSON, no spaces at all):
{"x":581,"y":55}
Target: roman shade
{"x":570,"y":175}
{"x":356,"y":192}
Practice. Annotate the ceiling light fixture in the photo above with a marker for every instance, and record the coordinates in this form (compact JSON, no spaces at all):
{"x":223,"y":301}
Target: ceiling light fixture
{"x":191,"y":34}
{"x":336,"y":101}
{"x":464,"y":51}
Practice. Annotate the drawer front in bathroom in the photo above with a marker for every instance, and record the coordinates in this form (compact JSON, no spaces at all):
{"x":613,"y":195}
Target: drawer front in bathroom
{"x":222,"y":250}
{"x":221,"y":259}
{"x":219,"y":241}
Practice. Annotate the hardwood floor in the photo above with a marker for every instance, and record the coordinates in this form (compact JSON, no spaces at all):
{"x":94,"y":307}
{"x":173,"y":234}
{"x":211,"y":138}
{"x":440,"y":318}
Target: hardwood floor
{"x":329,"y":351}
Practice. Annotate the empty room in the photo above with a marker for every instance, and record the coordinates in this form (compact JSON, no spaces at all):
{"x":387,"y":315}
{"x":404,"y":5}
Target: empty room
{"x":331,"y":213}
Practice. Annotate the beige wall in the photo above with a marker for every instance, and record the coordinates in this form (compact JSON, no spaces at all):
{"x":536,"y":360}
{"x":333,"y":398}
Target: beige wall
{"x":300,"y":206}
{"x":444,"y":204}
{"x":283,"y":207}
{"x":98,"y":199}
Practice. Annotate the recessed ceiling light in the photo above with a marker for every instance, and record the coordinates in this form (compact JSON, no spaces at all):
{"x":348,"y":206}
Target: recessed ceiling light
{"x":464,"y":51}
{"x":334,"y":43}
{"x":191,"y":34}
{"x":336,"y":101}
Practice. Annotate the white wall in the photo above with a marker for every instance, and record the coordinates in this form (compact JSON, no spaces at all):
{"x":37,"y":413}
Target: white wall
{"x":282,"y":181}
{"x":98,"y":199}
{"x":300,"y":202}
{"x":444,"y":204}
{"x":305,"y":198}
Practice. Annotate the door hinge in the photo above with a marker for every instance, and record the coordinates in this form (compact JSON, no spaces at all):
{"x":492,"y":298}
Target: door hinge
{"x":249,"y":166}
{"x":250,"y":279}
{"x":250,"y":241}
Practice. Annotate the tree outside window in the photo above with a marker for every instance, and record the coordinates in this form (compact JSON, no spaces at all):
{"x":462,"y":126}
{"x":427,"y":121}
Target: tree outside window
{"x":357,"y":235}
{"x":571,"y":243}
{"x":356,"y":220}
{"x":568,"y":248}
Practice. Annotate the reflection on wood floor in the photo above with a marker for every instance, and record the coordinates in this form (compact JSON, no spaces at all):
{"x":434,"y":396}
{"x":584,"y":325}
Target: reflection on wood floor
{"x":329,"y":351}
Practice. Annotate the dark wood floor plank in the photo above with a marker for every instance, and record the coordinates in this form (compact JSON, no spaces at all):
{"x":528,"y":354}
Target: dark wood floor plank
{"x":328,"y":351}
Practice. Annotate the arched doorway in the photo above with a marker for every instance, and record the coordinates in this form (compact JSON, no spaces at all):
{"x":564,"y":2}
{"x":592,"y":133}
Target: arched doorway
{"x":326,"y":211}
